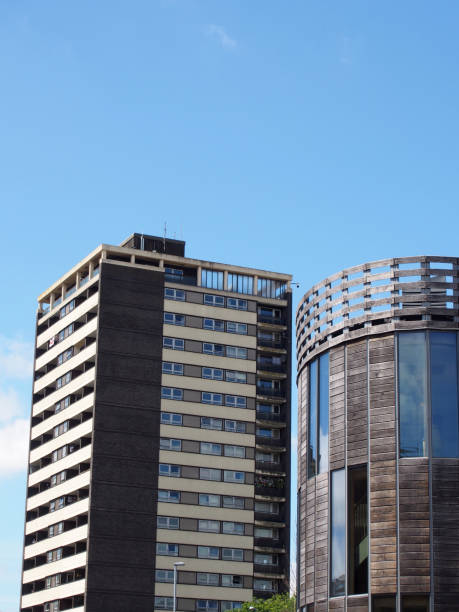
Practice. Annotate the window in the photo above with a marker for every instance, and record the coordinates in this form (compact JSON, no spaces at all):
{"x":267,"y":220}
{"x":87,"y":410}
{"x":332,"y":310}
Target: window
{"x":231,"y":580}
{"x":271,"y":288}
{"x":167,"y":549}
{"x":338,"y":534}
{"x":233,"y":528}
{"x":443,"y":385}
{"x":170,"y":444}
{"x":164,"y":603}
{"x":212,"y":398}
{"x":236,"y":401}
{"x":412,"y":370}
{"x":207,"y":578}
{"x":207,"y":604}
{"x":208,"y":526}
{"x":66,"y":309}
{"x":168,"y":522}
{"x":166,"y":469}
{"x":237,"y":377}
{"x":176,"y":344}
{"x":61,"y":429}
{"x":172,"y":368}
{"x":232,"y":554}
{"x":211,"y":279}
{"x":240,"y":283}
{"x":212,"y":373}
{"x":233,"y":476}
{"x":265,"y":532}
{"x":63,"y":380}
{"x":384,"y":603}
{"x":210,"y":474}
{"x":209,"y":448}
{"x":62,"y":404}
{"x":230,"y":501}
{"x":174,"y":294}
{"x":214,"y":300}
{"x":235,"y":426}
{"x":162,"y":575}
{"x":64,"y":333}
{"x":208,"y":552}
{"x":171,"y":393}
{"x":267,"y":507}
{"x":236,"y":328}
{"x":265,"y":559}
{"x":206,"y":499}
{"x":227,"y":606}
{"x":213,"y":324}
{"x":65,"y":356}
{"x":266,"y":432}
{"x":237,"y":352}
{"x":172,"y":497}
{"x":234,"y":451}
{"x":211,"y":423}
{"x":358,"y":531}
{"x":260,"y":584}
{"x":236,"y":303}
{"x":213,"y":349}
{"x":171,"y":318}
{"x":174,"y":275}
{"x":171,"y":418}
{"x":267,"y":457}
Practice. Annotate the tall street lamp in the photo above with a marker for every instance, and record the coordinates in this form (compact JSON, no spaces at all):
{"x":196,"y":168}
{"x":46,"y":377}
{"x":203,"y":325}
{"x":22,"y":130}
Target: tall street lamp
{"x":176,"y":565}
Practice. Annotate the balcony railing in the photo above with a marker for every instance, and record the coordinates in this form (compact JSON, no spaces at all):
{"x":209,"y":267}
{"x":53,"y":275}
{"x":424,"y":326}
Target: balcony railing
{"x":272,"y":320}
{"x":267,"y":568}
{"x":270,"y":491}
{"x":269,"y":466}
{"x":270,"y":343}
{"x":270,"y":416}
{"x":270,"y":392}
{"x":266,"y":367}
{"x":268,"y":543}
{"x":268,"y":516}
{"x":265,"y":441}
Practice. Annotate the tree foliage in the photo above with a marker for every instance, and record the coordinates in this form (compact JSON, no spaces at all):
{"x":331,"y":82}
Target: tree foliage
{"x":278,"y":603}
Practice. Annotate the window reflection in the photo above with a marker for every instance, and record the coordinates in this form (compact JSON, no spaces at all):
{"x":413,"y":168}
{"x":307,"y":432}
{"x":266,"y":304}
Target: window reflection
{"x":384,"y":603}
{"x":418,"y":603}
{"x":443,"y":384}
{"x":358,"y":531}
{"x":323,"y":413}
{"x":412,"y":366}
{"x":312,"y":420}
{"x":338,"y":534}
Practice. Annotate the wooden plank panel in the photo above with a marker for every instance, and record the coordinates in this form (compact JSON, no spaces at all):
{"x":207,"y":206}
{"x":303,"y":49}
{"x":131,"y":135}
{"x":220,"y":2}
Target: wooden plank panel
{"x":336,"y":407}
{"x":310,"y":538}
{"x":321,"y":538}
{"x":337,"y":604}
{"x":358,"y":603}
{"x":383,"y":532}
{"x":445,"y":524}
{"x":414,"y":547}
{"x":357,"y":403}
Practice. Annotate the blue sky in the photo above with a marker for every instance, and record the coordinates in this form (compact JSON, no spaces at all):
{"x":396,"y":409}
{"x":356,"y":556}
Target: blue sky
{"x":302,"y":137}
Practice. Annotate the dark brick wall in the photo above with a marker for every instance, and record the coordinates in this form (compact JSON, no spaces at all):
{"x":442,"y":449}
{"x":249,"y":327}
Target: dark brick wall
{"x":122,"y":520}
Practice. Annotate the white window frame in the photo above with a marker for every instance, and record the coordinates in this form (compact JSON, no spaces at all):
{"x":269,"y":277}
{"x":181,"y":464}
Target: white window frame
{"x":236,"y":401}
{"x":215,"y":526}
{"x":211,"y":496}
{"x":172,"y":393}
{"x":168,"y":522}
{"x":233,"y":327}
{"x":236,"y":377}
{"x":174,"y":294}
{"x":211,"y":348}
{"x":204,"y":552}
{"x":173,"y":318}
{"x":167,"y":551}
{"x":167,"y":418}
{"x":236,"y":352}
{"x":235,"y":476}
{"x":210,"y":448}
{"x":174,"y":344}
{"x":212,"y":373}
{"x":175,"y":499}
{"x":213,"y":324}
{"x":232,"y":528}
{"x":171,"y":444}
{"x":236,"y":303}
{"x":169,"y":470}
{"x":232,"y":450}
{"x":214,"y":474}
{"x":212,"y":300}
{"x":212,"y":423}
{"x":170,"y":367}
{"x":216,"y":399}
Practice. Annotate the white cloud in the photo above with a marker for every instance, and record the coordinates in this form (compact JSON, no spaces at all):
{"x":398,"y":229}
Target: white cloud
{"x":219,"y":33}
{"x":10,"y":404}
{"x":15,"y":358}
{"x":14,"y":439}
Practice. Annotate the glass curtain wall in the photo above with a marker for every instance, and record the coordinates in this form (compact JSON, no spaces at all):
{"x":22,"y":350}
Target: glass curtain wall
{"x":358,"y":530}
{"x":338,"y":534}
{"x":318,"y":417}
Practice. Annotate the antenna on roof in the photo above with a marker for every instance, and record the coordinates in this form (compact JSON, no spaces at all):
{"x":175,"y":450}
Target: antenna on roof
{"x":164,"y":239}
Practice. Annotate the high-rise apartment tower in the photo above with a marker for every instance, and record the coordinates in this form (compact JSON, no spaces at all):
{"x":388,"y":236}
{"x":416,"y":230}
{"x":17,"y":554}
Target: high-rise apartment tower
{"x":160,"y":434}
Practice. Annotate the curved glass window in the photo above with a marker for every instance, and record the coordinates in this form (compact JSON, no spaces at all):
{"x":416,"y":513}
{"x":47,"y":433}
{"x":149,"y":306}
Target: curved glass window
{"x":338,"y":534}
{"x":412,"y":372}
{"x":443,"y":386}
{"x":318,"y":416}
{"x":312,"y":420}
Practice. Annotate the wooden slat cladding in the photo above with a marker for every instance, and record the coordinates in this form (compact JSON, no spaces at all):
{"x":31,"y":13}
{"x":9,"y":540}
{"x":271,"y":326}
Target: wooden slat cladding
{"x":357,"y":403}
{"x":310,"y":537}
{"x":445,"y":523}
{"x":414,"y":538}
{"x":302,"y":450}
{"x":383,"y":448}
{"x":321,"y":537}
{"x":336,"y":604}
{"x":358,"y":604}
{"x":336,"y":402}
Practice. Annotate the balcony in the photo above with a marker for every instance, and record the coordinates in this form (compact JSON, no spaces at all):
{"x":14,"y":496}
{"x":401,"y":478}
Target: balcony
{"x":270,"y":367}
{"x":271,"y":442}
{"x":262,"y":415}
{"x":270,"y":492}
{"x":269,"y":517}
{"x":267,"y":568}
{"x":270,"y":343}
{"x":271,"y":320}
{"x":269,"y":466}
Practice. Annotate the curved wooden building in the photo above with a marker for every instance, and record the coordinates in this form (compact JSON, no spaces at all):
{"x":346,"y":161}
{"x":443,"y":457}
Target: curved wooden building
{"x":378,"y":438}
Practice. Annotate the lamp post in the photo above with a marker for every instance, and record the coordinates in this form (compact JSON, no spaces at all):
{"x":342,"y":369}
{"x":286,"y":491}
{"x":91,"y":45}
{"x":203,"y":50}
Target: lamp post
{"x":176,"y":565}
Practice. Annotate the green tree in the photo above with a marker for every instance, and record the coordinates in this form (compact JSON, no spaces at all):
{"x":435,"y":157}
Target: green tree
{"x":278,"y":603}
